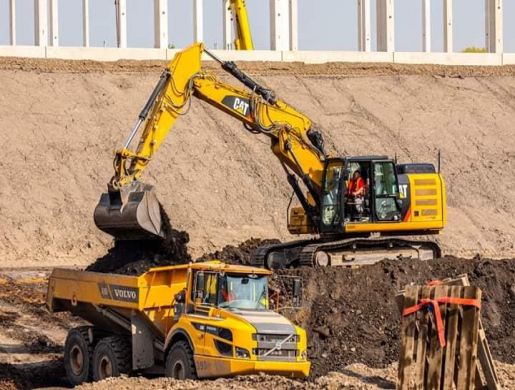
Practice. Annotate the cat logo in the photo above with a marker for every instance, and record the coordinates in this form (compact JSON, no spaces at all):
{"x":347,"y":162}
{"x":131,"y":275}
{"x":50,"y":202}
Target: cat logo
{"x":241,"y":106}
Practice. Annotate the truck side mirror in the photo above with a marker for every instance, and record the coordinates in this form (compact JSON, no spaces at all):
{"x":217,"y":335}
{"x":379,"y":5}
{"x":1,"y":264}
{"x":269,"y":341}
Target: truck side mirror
{"x":297,"y":292}
{"x":199,"y":285}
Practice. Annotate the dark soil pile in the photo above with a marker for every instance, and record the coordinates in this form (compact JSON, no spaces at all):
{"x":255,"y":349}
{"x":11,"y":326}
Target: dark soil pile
{"x":137,"y":257}
{"x":351,"y":316}
{"x":240,"y":254}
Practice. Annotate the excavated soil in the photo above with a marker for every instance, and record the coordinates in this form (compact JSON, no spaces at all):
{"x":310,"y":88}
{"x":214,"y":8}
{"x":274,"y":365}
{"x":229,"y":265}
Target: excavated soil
{"x":240,"y":254}
{"x":136,"y":257}
{"x":350,"y":314}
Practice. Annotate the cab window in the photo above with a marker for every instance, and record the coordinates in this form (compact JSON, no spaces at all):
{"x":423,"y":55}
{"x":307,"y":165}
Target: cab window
{"x":332,"y":194}
{"x":385,"y":181}
{"x":385,"y":190}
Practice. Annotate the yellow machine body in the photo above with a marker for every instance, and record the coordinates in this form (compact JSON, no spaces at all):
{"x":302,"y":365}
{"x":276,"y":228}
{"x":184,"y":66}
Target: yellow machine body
{"x":226,"y":341}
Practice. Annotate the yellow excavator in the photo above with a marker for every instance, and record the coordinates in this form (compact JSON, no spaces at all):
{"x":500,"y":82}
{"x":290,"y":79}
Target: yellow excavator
{"x":243,"y":38}
{"x":397,"y":200}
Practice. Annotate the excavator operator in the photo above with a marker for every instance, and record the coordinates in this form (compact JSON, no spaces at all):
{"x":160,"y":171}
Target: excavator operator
{"x":356,"y":194}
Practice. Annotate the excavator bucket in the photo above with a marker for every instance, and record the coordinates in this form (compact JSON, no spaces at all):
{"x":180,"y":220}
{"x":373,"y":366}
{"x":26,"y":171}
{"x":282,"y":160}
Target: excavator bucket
{"x":132,"y":214}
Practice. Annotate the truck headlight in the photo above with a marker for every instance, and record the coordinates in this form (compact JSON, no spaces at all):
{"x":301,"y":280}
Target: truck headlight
{"x":242,"y":353}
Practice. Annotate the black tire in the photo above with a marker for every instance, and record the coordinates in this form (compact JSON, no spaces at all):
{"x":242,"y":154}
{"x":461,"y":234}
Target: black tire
{"x":180,"y":363}
{"x":78,"y":351}
{"x":112,"y":357}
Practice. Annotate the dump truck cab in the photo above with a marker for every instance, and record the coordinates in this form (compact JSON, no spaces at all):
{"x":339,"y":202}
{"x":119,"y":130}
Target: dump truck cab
{"x":198,"y":320}
{"x":227,"y":307}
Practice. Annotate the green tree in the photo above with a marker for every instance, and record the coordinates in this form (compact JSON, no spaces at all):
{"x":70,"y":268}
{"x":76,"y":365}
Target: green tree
{"x":473,"y":49}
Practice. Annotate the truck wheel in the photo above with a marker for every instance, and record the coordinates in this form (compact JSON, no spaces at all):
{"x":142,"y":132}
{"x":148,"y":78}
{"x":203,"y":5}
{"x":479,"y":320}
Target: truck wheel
{"x":78,"y":351}
{"x":112,"y":357}
{"x":180,"y":363}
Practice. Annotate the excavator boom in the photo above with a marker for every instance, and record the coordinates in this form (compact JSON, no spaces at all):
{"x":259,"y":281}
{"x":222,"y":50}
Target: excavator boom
{"x":243,"y":40}
{"x":129,"y":210}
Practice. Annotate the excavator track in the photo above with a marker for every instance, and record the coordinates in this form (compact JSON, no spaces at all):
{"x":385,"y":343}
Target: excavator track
{"x":346,"y":252}
{"x":260,"y":256}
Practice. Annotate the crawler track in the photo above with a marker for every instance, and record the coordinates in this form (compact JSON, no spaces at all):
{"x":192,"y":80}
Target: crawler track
{"x":346,"y":252}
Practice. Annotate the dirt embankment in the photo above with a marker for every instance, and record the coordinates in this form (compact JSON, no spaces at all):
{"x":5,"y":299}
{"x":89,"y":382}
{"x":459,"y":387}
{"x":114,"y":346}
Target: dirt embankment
{"x":222,"y":184}
{"x":350,"y":316}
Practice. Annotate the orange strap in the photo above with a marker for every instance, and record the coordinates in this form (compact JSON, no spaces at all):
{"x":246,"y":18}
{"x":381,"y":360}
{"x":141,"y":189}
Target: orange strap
{"x":438,"y":315}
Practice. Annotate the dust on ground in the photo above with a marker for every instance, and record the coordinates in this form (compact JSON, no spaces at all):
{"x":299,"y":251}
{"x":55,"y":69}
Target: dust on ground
{"x":31,"y":338}
{"x":355,"y":376}
{"x":349,"y":314}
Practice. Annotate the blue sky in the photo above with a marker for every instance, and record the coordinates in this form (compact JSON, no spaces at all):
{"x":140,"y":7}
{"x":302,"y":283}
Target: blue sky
{"x":323,"y":24}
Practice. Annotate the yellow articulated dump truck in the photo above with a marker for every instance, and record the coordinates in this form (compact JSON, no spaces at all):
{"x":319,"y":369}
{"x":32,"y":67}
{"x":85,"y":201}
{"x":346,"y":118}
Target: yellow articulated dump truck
{"x":198,"y":320}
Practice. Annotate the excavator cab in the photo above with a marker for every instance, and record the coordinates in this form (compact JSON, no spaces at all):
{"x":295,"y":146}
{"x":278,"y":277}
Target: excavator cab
{"x":380,"y":201}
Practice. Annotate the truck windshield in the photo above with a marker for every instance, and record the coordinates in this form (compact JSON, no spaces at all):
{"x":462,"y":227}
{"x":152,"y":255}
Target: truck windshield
{"x":244,"y":292}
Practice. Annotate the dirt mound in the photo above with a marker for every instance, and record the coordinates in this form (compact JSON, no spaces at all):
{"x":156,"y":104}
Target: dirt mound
{"x":350,"y":315}
{"x":137,"y":257}
{"x":68,"y":138}
{"x":240,"y":254}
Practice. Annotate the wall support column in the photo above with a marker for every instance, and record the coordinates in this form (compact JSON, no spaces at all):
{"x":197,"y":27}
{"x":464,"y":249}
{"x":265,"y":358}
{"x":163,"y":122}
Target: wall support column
{"x":227,"y":25}
{"x":364,"y":25}
{"x":294,"y":25}
{"x":198,"y":20}
{"x":494,"y":26}
{"x":385,"y":26}
{"x":41,"y":22}
{"x":161,"y":24}
{"x":54,"y":23}
{"x":279,"y":25}
{"x":121,"y":22}
{"x":447,"y":26}
{"x":85,"y":23}
{"x":426,"y":26}
{"x":12,"y":22}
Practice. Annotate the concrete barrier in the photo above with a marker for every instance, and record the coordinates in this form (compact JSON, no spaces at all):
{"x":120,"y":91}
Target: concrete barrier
{"x":320,"y":57}
{"x":104,"y":53}
{"x":448,"y":58}
{"x":23,"y":51}
{"x":309,"y":57}
{"x":508,"y":58}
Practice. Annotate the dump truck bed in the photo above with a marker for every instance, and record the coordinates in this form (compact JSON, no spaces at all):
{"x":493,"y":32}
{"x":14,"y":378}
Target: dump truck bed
{"x":108,"y":300}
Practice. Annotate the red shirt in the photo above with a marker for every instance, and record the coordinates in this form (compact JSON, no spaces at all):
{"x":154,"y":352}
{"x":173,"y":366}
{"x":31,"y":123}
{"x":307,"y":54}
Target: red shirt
{"x":354,"y":186}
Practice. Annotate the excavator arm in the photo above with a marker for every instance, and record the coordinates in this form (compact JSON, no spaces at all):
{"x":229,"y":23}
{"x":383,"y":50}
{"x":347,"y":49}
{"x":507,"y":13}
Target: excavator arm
{"x":243,"y":39}
{"x":130,"y":210}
